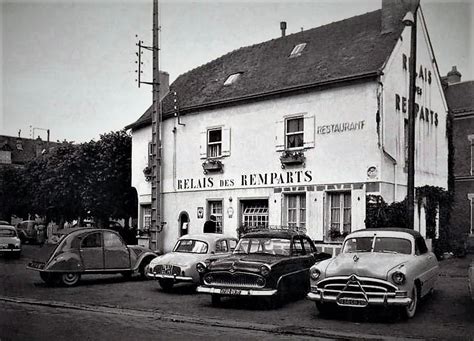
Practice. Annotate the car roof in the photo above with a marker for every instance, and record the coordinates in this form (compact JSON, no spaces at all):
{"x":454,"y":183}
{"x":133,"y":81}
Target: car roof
{"x":414,"y":233}
{"x":269,"y":233}
{"x":79,"y":230}
{"x":208,"y":237}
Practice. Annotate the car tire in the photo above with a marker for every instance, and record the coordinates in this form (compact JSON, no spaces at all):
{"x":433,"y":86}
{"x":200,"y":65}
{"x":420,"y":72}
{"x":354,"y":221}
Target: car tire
{"x":49,"y":278}
{"x":166,"y":284}
{"x":70,"y":279}
{"x":409,"y":311}
{"x":142,"y":268}
{"x":215,"y":300}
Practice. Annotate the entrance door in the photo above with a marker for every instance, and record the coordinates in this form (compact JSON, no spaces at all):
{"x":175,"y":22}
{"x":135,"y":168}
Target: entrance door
{"x":92,"y":253}
{"x":183,"y":223}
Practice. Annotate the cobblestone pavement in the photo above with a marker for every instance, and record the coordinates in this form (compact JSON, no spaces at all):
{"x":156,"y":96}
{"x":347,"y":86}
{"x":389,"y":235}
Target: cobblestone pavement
{"x":449,"y":314}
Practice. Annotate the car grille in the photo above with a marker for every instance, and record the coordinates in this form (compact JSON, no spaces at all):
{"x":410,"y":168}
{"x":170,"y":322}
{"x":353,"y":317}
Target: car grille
{"x":355,"y":287}
{"x":234,"y":280}
{"x":167,"y":269}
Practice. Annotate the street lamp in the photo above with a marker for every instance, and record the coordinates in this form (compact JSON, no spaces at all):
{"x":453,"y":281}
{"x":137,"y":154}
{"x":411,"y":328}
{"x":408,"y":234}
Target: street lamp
{"x":410,"y":20}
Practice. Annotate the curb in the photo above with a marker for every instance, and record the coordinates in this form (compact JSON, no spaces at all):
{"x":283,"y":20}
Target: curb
{"x":158,"y":315}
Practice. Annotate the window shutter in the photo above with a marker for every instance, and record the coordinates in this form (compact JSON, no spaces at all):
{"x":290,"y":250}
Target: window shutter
{"x":318,"y":222}
{"x":280,"y":135}
{"x":225,"y":141}
{"x":358,"y":209}
{"x":203,"y":145}
{"x":308,"y":131}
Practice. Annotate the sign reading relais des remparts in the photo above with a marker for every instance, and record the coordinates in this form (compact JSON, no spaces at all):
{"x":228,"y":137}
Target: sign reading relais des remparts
{"x":297,"y":177}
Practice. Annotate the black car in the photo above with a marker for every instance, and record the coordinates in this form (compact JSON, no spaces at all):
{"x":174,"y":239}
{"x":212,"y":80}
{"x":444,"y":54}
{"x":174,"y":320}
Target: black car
{"x":266,"y":263}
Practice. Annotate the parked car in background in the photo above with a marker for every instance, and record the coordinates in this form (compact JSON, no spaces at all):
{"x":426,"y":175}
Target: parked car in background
{"x":267,"y":263}
{"x":89,"y":251}
{"x":180,"y":264}
{"x":10,"y":243}
{"x":28,"y":231}
{"x":384,"y":266}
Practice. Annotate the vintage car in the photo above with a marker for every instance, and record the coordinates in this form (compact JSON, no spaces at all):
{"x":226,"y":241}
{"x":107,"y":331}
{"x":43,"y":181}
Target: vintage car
{"x":28,"y":231}
{"x":267,"y":263}
{"x":10,"y":243}
{"x":89,"y":251}
{"x":383,"y":266}
{"x":180,"y":264}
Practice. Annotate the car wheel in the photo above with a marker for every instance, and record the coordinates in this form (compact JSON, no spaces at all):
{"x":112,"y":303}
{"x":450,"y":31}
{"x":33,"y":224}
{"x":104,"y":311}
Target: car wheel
{"x":142,"y":268}
{"x":409,"y":311}
{"x":49,"y":278}
{"x":70,"y":279}
{"x":215,"y":300}
{"x":166,"y":284}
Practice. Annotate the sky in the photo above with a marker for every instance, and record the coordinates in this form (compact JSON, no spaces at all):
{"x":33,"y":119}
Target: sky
{"x":69,"y":66}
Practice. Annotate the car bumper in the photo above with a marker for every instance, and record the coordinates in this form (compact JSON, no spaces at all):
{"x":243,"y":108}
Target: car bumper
{"x":236,"y":292}
{"x":10,"y":250}
{"x":173,"y":277}
{"x":319,"y":296}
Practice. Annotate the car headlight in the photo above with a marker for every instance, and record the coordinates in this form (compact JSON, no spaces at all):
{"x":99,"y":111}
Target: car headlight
{"x":315,"y":273}
{"x":398,"y":277}
{"x":264,"y":270}
{"x":200,"y":267}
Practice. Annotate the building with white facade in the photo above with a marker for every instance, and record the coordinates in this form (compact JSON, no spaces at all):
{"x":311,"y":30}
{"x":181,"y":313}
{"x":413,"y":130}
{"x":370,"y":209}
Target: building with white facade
{"x":297,"y":131}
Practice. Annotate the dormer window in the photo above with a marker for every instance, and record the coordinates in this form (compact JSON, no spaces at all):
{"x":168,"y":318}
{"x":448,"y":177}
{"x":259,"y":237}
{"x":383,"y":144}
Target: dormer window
{"x":297,"y":50}
{"x":232,"y":78}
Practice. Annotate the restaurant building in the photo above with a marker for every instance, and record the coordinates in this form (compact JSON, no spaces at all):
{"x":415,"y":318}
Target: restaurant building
{"x":297,"y":131}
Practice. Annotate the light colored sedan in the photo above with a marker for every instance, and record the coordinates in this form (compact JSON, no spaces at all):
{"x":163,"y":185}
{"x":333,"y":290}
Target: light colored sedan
{"x":10,"y":243}
{"x":180,"y":264}
{"x":384,"y":266}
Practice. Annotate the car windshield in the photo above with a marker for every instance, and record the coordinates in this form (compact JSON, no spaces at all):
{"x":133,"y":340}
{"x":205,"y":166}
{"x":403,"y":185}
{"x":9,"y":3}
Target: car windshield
{"x":7,"y":233}
{"x":191,"y":246}
{"x":268,"y":246}
{"x":380,"y":244}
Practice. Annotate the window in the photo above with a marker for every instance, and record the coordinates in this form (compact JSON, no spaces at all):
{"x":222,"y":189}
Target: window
{"x":215,"y":208}
{"x":340,"y":212}
{"x":190,"y":246}
{"x":146,"y":217}
{"x":296,"y":210}
{"x":294,"y":133}
{"x":420,"y":246}
{"x":309,"y":248}
{"x":297,"y":50}
{"x":232,"y":78}
{"x":111,"y":240}
{"x":232,"y":244}
{"x":298,"y":249}
{"x":214,"y":142}
{"x":221,"y":246}
{"x":255,"y":213}
{"x":92,"y":240}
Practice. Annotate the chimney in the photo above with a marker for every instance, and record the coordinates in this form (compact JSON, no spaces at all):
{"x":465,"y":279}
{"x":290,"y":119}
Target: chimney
{"x":164,"y":84}
{"x":283,"y":28}
{"x":454,"y":76}
{"x":393,"y":12}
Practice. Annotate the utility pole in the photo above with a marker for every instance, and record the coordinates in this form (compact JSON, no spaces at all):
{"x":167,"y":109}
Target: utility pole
{"x":155,"y":162}
{"x":411,"y":20}
{"x":156,"y":222}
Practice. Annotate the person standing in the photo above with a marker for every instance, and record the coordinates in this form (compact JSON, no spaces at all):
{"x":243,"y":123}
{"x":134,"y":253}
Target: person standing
{"x":210,"y":226}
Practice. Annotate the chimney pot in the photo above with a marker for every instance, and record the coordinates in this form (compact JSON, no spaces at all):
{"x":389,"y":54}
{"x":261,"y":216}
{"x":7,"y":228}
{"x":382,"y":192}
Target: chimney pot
{"x":454,"y":76}
{"x":283,"y":28}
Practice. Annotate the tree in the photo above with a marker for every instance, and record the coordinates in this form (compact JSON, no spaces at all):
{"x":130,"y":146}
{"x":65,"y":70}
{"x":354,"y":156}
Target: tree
{"x":13,"y":193}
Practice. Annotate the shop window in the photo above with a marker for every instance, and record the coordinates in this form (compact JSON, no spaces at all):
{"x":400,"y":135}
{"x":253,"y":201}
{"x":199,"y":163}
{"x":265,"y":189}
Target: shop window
{"x":340,"y":214}
{"x":215,"y":209}
{"x":297,"y":50}
{"x":294,"y":133}
{"x":146,"y":217}
{"x":255,"y":213}
{"x":296,"y":210}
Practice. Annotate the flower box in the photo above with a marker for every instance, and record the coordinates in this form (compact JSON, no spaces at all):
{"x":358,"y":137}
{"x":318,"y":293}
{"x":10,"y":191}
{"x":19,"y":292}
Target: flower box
{"x":148,"y":173}
{"x":292,"y":158}
{"x":212,"y":166}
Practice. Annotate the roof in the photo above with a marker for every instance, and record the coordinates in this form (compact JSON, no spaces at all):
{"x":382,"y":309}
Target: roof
{"x":354,"y":48}
{"x":460,"y":97}
{"x":414,"y":233}
{"x":23,"y":149}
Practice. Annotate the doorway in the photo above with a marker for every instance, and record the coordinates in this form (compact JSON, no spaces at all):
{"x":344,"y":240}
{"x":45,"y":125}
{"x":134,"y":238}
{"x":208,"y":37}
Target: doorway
{"x":183,"y":223}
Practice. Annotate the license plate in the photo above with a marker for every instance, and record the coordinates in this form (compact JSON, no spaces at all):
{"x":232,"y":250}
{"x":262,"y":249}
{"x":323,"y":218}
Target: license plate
{"x":167,"y":270}
{"x":229,"y":291}
{"x":352,"y":302}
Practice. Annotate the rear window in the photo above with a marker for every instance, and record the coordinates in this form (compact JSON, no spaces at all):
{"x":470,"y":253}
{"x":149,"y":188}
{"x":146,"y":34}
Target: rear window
{"x":191,"y":246}
{"x":7,"y":233}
